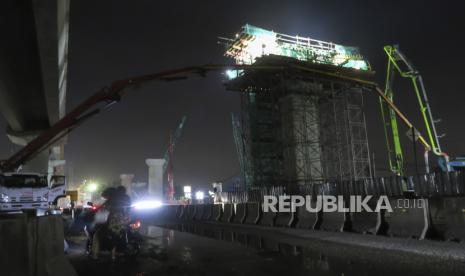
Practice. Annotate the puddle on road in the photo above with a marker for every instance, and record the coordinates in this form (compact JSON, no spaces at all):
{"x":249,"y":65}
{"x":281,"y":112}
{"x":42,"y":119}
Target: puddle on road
{"x":169,"y":252}
{"x":195,"y":255}
{"x":199,"y":254}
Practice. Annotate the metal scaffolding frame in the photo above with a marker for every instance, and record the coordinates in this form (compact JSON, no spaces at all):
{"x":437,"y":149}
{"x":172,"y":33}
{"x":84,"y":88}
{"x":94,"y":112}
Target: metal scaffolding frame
{"x":301,"y":139}
{"x":262,"y":131}
{"x":243,"y":153}
{"x":302,"y":129}
{"x":345,"y":147}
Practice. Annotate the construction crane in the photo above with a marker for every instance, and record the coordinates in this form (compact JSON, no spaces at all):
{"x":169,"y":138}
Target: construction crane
{"x":168,"y":157}
{"x":398,"y":63}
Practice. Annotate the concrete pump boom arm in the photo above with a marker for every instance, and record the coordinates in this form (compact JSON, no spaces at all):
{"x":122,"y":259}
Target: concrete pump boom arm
{"x":90,"y":107}
{"x":113,"y":94}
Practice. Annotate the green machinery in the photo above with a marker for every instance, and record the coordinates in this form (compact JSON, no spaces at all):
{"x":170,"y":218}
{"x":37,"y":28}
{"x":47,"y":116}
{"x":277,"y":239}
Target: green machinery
{"x":398,"y":63}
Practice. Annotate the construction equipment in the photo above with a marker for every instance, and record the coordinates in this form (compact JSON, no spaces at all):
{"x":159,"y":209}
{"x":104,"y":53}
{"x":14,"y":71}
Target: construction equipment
{"x":168,"y":157}
{"x":107,"y":96}
{"x":29,"y":191}
{"x":397,"y":62}
{"x":395,"y":156}
{"x":93,"y":105}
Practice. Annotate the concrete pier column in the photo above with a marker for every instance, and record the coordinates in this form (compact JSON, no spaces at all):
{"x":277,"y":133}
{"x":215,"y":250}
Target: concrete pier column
{"x":155,"y":186}
{"x":56,"y":161}
{"x":126,"y":181}
{"x":38,"y":164}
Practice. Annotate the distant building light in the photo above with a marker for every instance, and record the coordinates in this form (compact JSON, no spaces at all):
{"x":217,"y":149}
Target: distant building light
{"x":199,"y":195}
{"x":231,"y":74}
{"x":187,"y":192}
{"x":92,"y":187}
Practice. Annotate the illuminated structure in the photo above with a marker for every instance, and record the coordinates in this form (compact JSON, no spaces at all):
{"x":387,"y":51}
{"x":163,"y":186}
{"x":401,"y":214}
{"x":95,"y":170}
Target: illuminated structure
{"x":299,"y":126}
{"x":253,"y":42}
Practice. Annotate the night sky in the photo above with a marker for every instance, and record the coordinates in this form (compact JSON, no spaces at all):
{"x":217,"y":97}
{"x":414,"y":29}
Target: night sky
{"x":112,"y":39}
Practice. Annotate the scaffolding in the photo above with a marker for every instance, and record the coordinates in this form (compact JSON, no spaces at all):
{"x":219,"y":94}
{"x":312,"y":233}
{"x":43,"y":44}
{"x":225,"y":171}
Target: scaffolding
{"x":344,"y":139}
{"x":301,"y":139}
{"x":243,"y":154}
{"x":301,"y":129}
{"x":262,"y":131}
{"x":302,"y":125}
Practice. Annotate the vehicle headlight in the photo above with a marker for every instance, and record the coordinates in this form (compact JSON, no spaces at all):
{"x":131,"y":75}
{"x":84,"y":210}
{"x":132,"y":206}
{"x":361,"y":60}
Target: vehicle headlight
{"x":4,"y":198}
{"x":147,"y":204}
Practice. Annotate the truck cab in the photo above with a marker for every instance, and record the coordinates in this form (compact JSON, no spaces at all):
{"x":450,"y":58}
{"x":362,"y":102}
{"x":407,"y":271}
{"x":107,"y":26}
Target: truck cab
{"x":20,"y":191}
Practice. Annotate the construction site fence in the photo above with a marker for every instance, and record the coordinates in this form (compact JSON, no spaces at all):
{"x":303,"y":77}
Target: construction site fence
{"x":440,"y":184}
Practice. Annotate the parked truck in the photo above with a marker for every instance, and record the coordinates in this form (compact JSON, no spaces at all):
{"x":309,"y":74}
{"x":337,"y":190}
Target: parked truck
{"x":28,"y":191}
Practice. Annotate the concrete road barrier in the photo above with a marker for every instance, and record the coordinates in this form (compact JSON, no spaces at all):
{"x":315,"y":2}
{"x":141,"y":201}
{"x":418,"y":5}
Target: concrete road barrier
{"x":167,"y":216}
{"x":240,"y":214}
{"x":199,"y":210}
{"x":173,"y":213}
{"x":448,"y":217}
{"x":307,"y":220}
{"x":181,"y":211}
{"x":410,"y":218}
{"x":253,"y":212}
{"x":284,"y":219}
{"x":335,"y":221}
{"x":33,"y":246}
{"x":207,"y":211}
{"x":15,"y":258}
{"x":190,"y":212}
{"x":217,"y":211}
{"x":170,"y":212}
{"x":49,"y":241}
{"x":366,"y":222}
{"x":228,"y":212}
{"x":267,"y":218}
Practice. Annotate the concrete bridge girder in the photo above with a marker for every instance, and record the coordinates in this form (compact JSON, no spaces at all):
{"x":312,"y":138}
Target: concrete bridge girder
{"x":33,"y":71}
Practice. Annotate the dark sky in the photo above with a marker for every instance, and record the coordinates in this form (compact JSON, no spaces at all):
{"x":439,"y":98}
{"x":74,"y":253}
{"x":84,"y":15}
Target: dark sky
{"x":112,"y":39}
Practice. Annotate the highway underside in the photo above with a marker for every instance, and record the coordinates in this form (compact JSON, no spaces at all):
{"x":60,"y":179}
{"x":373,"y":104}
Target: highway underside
{"x":214,"y":250}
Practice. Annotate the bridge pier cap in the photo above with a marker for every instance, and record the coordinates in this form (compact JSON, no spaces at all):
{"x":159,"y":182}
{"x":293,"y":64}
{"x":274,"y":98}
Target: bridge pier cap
{"x":126,"y":181}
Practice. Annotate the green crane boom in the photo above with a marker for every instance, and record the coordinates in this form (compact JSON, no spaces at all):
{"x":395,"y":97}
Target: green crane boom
{"x":397,"y":62}
{"x":395,"y":156}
